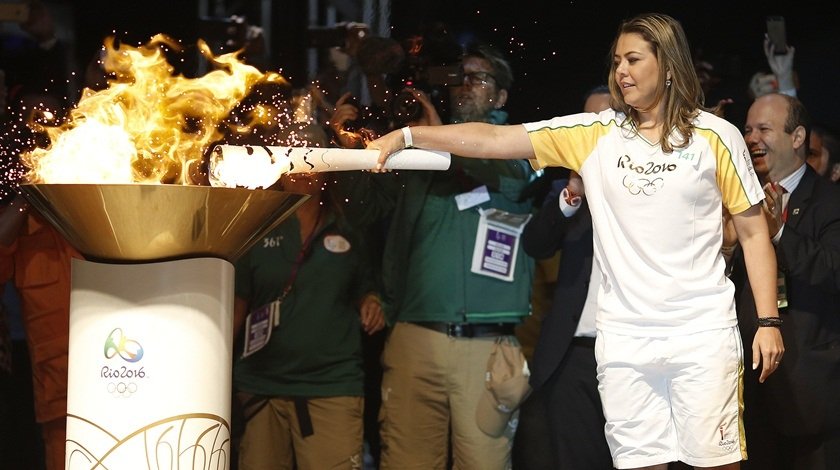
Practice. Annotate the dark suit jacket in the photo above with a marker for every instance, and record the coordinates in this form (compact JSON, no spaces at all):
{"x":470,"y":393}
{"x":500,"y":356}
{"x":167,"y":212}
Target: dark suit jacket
{"x":547,"y":232}
{"x":803,"y":395}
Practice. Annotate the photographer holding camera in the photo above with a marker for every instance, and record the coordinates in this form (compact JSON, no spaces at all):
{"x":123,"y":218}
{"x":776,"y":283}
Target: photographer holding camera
{"x":407,"y":84}
{"x":446,"y":315}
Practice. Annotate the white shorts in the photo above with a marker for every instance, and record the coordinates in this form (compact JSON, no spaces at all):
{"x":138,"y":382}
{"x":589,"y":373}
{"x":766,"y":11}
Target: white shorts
{"x":673,"y":398}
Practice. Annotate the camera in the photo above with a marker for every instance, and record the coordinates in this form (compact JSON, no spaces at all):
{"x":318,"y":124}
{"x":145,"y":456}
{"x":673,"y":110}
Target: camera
{"x":426,"y":65}
{"x":405,"y":108}
{"x":370,"y":117}
{"x":432,"y":64}
{"x":432,"y":79}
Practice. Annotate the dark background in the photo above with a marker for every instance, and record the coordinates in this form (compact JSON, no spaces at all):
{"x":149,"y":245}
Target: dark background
{"x":557,"y":49}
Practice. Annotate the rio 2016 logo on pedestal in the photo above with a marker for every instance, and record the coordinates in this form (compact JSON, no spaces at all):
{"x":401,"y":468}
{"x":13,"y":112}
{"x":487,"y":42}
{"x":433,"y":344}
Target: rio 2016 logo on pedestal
{"x":129,"y":350}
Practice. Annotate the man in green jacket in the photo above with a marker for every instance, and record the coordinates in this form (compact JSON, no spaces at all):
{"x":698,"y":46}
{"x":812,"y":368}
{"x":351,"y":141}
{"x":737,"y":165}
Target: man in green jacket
{"x":455,"y":284}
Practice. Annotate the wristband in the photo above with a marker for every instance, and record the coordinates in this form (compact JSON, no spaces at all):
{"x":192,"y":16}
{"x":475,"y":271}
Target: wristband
{"x":789,"y":92}
{"x":407,"y":142}
{"x":774,"y":322}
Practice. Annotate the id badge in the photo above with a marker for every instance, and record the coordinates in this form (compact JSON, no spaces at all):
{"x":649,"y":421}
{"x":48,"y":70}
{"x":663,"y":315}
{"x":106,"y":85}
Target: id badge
{"x":258,"y":326}
{"x":477,"y":196}
{"x":497,"y":243}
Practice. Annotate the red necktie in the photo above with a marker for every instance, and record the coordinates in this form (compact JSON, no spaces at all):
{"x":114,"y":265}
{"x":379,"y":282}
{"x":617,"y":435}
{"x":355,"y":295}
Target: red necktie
{"x":784,"y":204}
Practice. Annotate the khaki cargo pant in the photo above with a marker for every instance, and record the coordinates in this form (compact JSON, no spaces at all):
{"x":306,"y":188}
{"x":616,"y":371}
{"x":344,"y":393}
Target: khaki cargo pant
{"x":273,"y":438}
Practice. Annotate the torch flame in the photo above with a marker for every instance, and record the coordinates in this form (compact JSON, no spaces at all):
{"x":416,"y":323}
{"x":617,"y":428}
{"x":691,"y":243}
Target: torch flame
{"x":149,"y":125}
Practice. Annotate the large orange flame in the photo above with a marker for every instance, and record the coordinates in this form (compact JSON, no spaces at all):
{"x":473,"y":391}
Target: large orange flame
{"x":149,"y":125}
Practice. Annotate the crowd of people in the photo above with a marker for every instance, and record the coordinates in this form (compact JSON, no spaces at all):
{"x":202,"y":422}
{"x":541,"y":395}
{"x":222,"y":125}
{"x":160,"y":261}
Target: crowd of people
{"x":693,"y":316}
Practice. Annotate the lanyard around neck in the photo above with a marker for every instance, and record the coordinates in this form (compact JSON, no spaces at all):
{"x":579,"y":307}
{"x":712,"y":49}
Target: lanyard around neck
{"x":304,"y":251}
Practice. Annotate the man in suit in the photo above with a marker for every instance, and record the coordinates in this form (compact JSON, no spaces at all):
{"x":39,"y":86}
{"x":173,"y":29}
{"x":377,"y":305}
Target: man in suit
{"x":563,"y":369}
{"x":565,"y":399}
{"x":793,"y":419}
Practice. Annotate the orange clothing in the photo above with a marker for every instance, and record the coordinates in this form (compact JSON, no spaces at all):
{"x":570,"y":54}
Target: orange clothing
{"x":39,"y":263}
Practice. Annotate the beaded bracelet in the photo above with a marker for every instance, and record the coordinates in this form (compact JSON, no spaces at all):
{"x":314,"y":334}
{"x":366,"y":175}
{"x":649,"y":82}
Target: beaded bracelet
{"x":774,"y":322}
{"x":727,"y":250}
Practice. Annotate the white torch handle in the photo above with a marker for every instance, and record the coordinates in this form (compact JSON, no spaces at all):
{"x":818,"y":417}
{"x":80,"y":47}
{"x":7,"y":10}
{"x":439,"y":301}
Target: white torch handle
{"x":316,"y":159}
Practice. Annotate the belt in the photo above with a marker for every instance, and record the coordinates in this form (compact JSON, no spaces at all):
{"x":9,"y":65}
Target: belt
{"x":585,"y":341}
{"x":468,"y":330}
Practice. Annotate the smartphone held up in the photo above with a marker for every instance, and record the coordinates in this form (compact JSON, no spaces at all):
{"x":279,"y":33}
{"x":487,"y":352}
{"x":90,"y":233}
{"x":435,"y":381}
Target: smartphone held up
{"x":777,"y":34}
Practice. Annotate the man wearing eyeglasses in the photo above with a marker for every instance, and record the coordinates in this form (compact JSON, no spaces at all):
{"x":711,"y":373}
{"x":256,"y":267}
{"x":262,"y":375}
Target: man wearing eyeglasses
{"x":482,"y":94}
{"x":453,"y":294}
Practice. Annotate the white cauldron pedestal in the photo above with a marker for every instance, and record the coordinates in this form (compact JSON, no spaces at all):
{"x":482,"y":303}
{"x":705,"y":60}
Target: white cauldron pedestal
{"x":150,"y":365}
{"x":151,"y":317}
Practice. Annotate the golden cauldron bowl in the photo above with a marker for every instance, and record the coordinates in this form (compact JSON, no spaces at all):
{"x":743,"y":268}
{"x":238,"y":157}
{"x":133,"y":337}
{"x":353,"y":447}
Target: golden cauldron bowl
{"x":158,"y":222}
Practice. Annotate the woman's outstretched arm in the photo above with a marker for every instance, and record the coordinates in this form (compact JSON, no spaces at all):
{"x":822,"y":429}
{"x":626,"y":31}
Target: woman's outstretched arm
{"x":471,"y":139}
